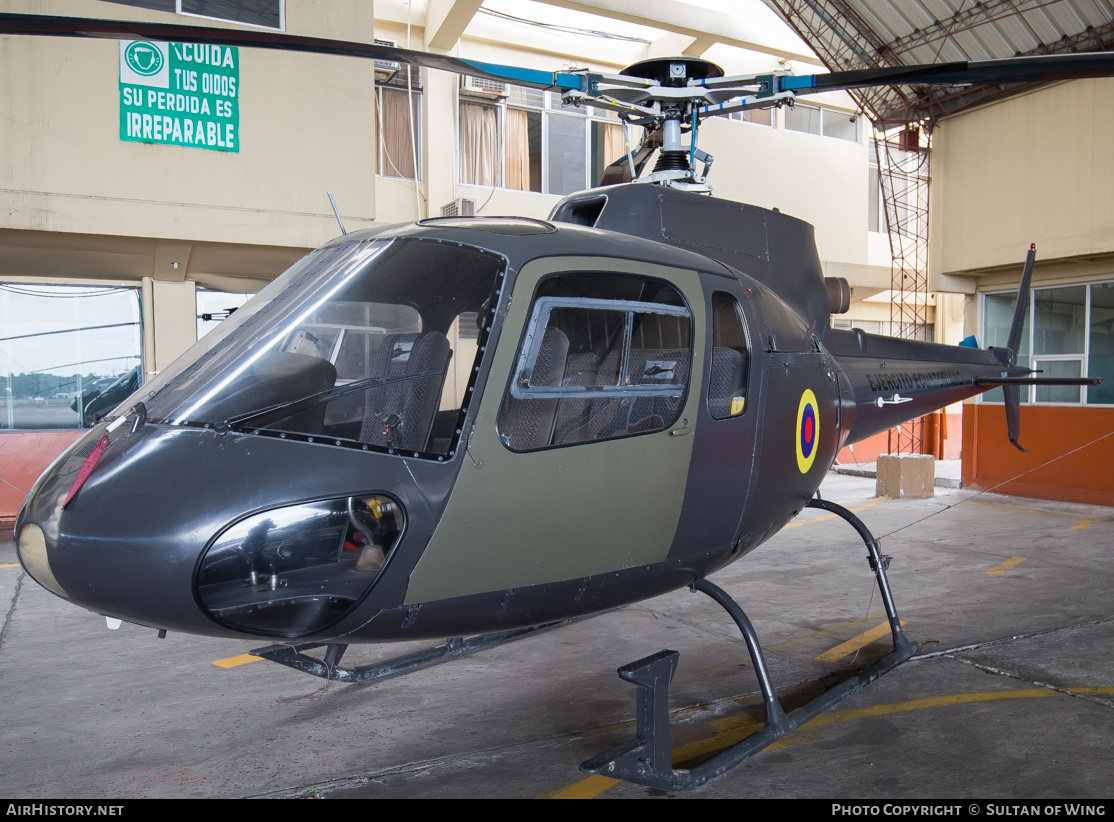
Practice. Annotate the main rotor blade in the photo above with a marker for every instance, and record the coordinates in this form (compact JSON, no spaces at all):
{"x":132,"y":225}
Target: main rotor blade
{"x":1038,"y":69}
{"x":50,"y":26}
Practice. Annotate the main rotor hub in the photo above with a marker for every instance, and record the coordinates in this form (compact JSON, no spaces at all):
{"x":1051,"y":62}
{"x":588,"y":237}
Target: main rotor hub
{"x":673,"y":72}
{"x":668,"y":97}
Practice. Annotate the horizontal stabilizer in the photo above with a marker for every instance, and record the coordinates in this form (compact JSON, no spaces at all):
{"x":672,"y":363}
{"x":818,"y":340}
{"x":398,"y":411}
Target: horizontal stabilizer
{"x":993,"y":381}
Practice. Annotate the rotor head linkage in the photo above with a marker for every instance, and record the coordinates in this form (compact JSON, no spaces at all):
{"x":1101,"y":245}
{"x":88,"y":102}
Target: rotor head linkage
{"x":669,"y":97}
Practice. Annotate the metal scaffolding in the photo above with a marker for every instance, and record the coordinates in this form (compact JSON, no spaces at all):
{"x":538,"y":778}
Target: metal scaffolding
{"x":904,"y":174}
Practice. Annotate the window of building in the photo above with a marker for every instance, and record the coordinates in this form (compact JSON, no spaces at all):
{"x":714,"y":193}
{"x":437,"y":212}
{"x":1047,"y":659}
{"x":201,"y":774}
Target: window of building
{"x":523,"y":139}
{"x":67,"y":353}
{"x":904,"y":180}
{"x":887,"y":328}
{"x":839,"y":124}
{"x":398,"y":101}
{"x":825,"y":122}
{"x":876,"y":211}
{"x":213,"y":307}
{"x":758,"y":116}
{"x":603,"y":356}
{"x":1068,"y":332}
{"x":264,"y":13}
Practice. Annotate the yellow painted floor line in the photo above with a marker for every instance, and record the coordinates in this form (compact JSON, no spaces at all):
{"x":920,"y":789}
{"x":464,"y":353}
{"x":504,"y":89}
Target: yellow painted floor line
{"x":1012,"y":562}
{"x":822,"y":517}
{"x":850,"y":646}
{"x":588,"y":788}
{"x":234,"y":661}
{"x":739,"y":727}
{"x":1081,"y":525}
{"x":743,"y":661}
{"x":837,"y":628}
{"x":10,"y":565}
{"x":1020,"y":510}
{"x":945,"y":701}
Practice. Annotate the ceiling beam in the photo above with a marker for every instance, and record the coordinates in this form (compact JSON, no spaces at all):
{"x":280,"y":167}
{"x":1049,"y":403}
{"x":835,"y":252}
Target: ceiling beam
{"x":674,"y":45}
{"x":445,"y":21}
{"x":691,"y":21}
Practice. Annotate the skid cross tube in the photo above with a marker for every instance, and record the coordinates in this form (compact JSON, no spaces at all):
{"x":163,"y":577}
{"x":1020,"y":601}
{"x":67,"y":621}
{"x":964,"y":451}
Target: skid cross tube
{"x":646,"y":760}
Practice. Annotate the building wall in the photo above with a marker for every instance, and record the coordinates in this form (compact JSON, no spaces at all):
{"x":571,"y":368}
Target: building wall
{"x":1069,"y":457}
{"x":1029,"y":169}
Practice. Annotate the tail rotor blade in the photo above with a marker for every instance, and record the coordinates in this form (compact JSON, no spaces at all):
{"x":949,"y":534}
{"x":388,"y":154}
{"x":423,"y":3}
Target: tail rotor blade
{"x":1012,"y":395}
{"x":1022,"y":304}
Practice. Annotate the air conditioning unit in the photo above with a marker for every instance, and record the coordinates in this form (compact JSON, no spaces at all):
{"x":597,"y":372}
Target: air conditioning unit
{"x":482,"y":87}
{"x":386,"y":69}
{"x":460,"y":207}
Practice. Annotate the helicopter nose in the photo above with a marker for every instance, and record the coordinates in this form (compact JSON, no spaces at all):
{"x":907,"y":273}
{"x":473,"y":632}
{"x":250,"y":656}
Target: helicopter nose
{"x":89,"y":531}
{"x":184,"y":530}
{"x":31,"y":549}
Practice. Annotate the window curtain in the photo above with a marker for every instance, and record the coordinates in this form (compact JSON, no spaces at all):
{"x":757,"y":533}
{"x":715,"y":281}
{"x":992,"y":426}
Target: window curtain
{"x":613,"y":145}
{"x":479,"y":145}
{"x":518,"y":149}
{"x":398,"y":148}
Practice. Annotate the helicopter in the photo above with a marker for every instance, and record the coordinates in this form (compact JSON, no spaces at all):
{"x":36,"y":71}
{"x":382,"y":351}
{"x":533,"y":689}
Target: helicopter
{"x":478,"y":426}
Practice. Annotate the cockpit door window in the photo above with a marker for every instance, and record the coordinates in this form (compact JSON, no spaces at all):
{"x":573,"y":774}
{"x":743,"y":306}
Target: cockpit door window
{"x":595,"y":366}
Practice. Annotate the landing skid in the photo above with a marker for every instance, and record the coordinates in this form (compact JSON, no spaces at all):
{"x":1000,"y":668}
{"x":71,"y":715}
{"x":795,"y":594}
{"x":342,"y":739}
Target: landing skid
{"x":647,"y":759}
{"x":329,"y":667}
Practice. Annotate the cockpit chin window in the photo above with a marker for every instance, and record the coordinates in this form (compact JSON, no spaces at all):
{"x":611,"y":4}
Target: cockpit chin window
{"x":373,"y":345}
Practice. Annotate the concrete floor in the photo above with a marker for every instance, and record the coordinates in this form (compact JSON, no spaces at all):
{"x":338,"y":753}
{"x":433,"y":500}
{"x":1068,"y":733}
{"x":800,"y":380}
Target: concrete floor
{"x":1011,"y":697}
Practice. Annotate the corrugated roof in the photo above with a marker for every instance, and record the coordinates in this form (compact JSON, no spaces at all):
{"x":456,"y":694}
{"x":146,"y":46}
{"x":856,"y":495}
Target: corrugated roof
{"x":853,"y":34}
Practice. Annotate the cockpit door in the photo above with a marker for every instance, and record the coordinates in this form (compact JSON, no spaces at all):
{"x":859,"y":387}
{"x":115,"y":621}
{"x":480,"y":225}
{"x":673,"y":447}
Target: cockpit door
{"x":578,"y":460}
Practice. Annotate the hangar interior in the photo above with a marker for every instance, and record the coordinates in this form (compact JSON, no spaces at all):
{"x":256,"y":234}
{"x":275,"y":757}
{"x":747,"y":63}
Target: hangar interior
{"x":126,"y":237}
{"x":118,"y":250}
{"x":925,"y":204}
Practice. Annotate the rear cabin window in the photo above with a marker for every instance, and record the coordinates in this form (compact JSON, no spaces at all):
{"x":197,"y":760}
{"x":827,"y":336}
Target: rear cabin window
{"x":727,"y":395}
{"x":603,"y":356}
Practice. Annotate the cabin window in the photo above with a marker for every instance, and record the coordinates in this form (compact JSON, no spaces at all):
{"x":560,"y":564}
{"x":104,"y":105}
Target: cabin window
{"x":366,"y":344}
{"x":727,"y":385}
{"x":603,"y":356}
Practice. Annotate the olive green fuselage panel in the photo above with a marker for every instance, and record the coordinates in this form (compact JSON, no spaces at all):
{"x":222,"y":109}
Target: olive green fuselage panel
{"x":516,"y":519}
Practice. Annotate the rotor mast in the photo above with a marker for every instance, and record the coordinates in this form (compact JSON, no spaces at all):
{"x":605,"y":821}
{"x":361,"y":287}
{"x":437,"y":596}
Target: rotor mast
{"x":669,"y":97}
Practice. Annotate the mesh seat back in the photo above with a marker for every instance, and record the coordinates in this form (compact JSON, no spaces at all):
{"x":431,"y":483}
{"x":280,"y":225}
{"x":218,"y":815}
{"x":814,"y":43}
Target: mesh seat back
{"x":400,"y":414}
{"x":528,"y":424}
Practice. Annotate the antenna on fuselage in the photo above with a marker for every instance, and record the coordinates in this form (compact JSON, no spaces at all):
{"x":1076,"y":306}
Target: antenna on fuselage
{"x":333,"y":203}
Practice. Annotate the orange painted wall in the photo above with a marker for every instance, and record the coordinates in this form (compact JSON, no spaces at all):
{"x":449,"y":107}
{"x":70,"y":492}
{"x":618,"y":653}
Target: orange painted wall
{"x":868,"y":450}
{"x":23,"y":456}
{"x":1049,"y":432}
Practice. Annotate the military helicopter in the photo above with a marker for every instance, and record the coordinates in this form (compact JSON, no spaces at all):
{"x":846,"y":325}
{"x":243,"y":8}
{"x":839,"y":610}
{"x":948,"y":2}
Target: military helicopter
{"x":484,"y":425}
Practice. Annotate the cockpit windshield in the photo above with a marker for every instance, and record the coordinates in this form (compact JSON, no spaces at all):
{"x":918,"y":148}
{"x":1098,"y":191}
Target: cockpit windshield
{"x":368,"y":343}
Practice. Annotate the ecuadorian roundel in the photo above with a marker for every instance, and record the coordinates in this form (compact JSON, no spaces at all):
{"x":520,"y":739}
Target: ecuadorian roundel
{"x":808,"y":430}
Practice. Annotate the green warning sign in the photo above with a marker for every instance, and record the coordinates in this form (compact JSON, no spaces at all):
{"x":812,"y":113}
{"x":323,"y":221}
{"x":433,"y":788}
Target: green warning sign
{"x":180,"y":94}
